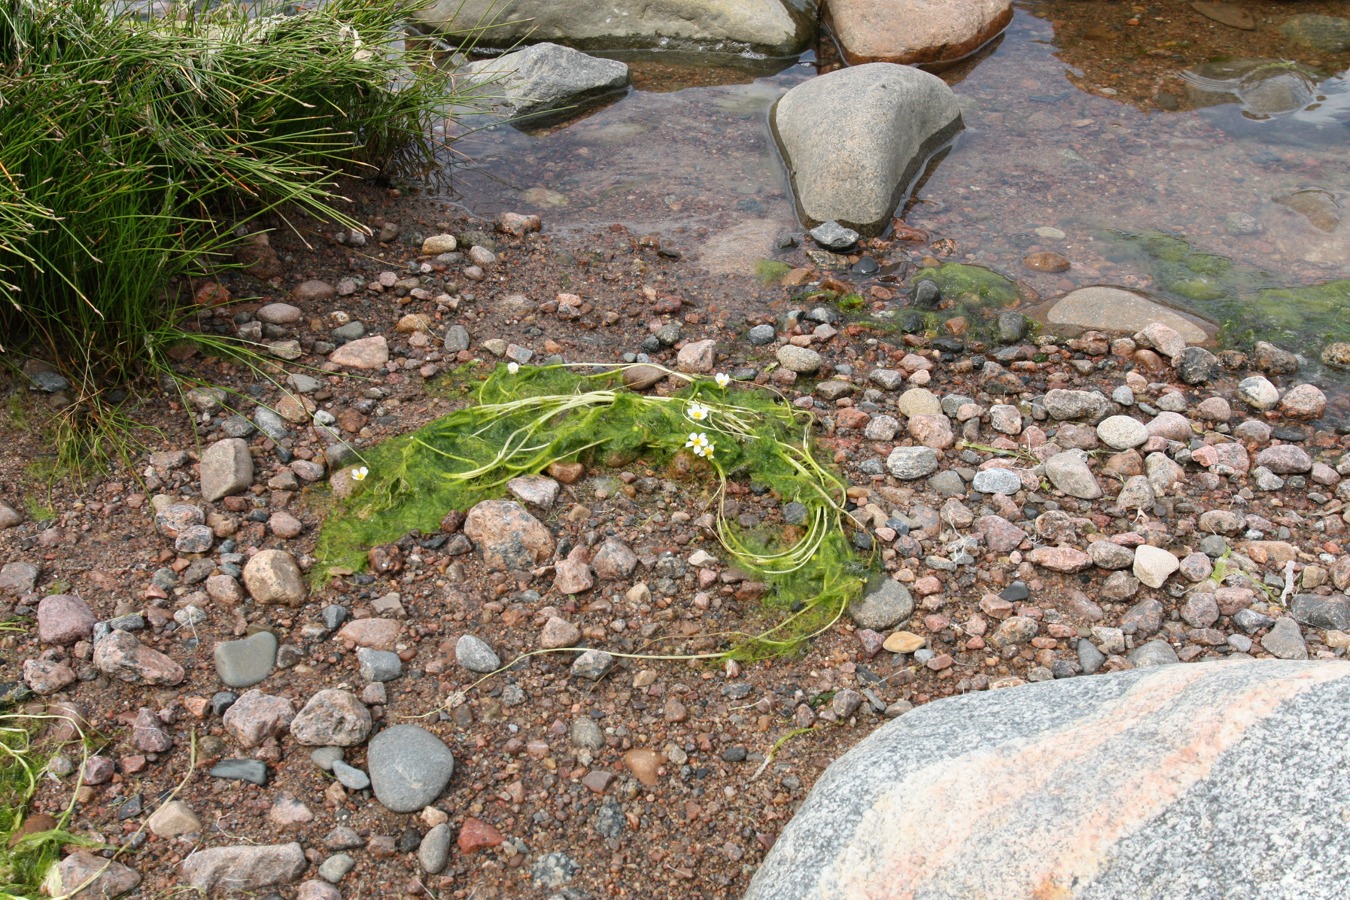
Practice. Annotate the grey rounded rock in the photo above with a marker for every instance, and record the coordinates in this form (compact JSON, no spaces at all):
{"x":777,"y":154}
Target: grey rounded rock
{"x":801,"y":360}
{"x":886,"y":606}
{"x":997,"y":481}
{"x":1122,"y":432}
{"x":910,"y":463}
{"x":378,"y":665}
{"x":434,"y":851}
{"x":409,"y":767}
{"x":246,"y":662}
{"x":352,"y":778}
{"x":475,"y":655}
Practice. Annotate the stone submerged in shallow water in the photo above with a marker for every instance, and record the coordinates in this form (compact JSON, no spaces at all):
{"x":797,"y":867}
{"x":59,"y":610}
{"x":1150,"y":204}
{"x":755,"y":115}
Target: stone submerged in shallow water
{"x":1215,"y":755}
{"x":1118,"y":310}
{"x":855,"y":139}
{"x":546,"y":78}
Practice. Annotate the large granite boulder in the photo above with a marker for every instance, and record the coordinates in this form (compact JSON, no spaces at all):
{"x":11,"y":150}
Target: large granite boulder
{"x":1221,"y":778}
{"x":545,"y":79}
{"x":915,"y":31}
{"x":855,"y":140}
{"x":770,"y":27}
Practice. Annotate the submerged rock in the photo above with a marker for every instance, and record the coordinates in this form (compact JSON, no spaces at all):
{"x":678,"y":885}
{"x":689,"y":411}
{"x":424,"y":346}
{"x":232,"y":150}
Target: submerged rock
{"x":854,"y":140}
{"x":1116,"y":309}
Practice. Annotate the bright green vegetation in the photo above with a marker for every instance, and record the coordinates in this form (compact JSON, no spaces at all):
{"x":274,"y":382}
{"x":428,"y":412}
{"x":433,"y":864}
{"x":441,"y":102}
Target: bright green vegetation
{"x":1250,"y":304}
{"x":133,"y":150}
{"x":523,"y":422}
{"x":977,"y":293}
{"x":769,"y":271}
{"x":24,"y":865}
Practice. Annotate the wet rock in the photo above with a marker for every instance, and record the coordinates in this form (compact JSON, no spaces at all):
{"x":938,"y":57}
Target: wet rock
{"x":1119,"y":310}
{"x":246,"y":662}
{"x":64,"y":619}
{"x":273,"y":577}
{"x":833,"y":236}
{"x":1197,"y":366}
{"x":854,"y":139}
{"x":332,"y":718}
{"x":883,"y":607}
{"x":249,"y":867}
{"x":1305,"y":401}
{"x":409,"y":767}
{"x":535,"y":490}
{"x":545,"y":78}
{"x":802,"y":360}
{"x":1258,"y":393}
{"x":508,"y":537}
{"x":122,"y":656}
{"x":1325,"y":34}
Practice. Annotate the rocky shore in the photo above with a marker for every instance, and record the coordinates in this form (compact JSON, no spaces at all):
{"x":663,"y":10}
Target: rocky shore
{"x":1037,"y":509}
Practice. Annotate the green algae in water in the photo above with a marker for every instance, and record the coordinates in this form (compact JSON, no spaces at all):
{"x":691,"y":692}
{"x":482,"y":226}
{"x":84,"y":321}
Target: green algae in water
{"x":970,"y":286}
{"x":1251,"y":305}
{"x":525,"y":421}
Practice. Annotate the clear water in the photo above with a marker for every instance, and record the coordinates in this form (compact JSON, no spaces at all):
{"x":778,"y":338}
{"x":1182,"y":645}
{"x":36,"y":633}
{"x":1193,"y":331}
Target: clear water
{"x":1058,"y":138}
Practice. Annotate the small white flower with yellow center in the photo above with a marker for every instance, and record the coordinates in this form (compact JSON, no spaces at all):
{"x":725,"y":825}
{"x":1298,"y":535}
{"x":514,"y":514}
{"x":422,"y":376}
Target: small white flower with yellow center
{"x":722,"y":379}
{"x":513,"y":368}
{"x":360,"y":473}
{"x":699,"y":443}
{"x":698,"y":412}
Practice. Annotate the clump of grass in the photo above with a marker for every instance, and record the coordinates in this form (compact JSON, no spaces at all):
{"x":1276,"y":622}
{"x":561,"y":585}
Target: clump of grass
{"x":134,"y":149}
{"x":25,"y":862}
{"x":526,"y":420}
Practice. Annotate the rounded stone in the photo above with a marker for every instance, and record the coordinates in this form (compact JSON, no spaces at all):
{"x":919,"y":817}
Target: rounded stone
{"x":1258,"y":393}
{"x":910,"y":463}
{"x":246,"y":662}
{"x":801,"y":360}
{"x":409,"y":767}
{"x":1122,"y":432}
{"x":997,"y":481}
{"x":475,"y":655}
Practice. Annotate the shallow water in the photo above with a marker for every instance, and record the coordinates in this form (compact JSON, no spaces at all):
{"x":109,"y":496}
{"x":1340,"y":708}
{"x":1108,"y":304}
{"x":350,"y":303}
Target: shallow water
{"x":1238,"y":157}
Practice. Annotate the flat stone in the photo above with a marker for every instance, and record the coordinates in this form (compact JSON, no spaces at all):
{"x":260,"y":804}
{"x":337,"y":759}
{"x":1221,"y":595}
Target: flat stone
{"x":409,"y":767}
{"x":380,"y":634}
{"x":1285,"y":640}
{"x":698,"y":357}
{"x":1064,"y":404}
{"x":254,"y":771}
{"x":120,"y":655}
{"x":534,"y":490}
{"x":1332,"y":612}
{"x":378,"y":665}
{"x":1153,"y":653}
{"x":1118,"y":310}
{"x":1060,"y":559}
{"x":1122,"y":432}
{"x":855,"y":139}
{"x":99,"y":878}
{"x":592,"y":665}
{"x":352,"y":778}
{"x":997,"y":481}
{"x":246,"y":662}
{"x":249,"y":867}
{"x":173,"y":819}
{"x":18,"y":578}
{"x":362,"y":353}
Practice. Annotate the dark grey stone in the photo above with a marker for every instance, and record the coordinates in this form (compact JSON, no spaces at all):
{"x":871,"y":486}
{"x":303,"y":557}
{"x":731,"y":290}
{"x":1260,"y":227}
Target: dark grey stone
{"x":251,"y":770}
{"x":1322,"y":612}
{"x":883,"y":607}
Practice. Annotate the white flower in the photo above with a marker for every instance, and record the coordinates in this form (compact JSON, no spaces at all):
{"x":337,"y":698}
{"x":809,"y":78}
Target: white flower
{"x":360,"y":473}
{"x":513,"y":368}
{"x":699,"y":443}
{"x":698,"y":412}
{"x":722,"y":379}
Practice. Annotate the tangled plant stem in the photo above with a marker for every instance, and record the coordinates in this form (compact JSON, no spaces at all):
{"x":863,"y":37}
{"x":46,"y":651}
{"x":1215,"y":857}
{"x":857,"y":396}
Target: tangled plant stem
{"x":532,"y":417}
